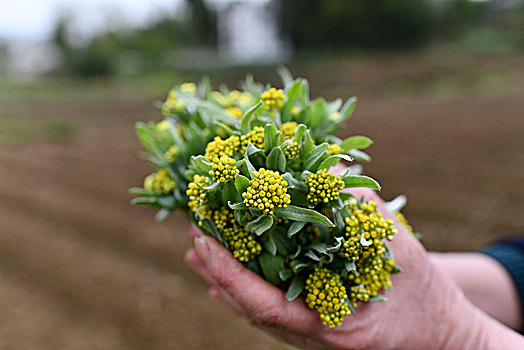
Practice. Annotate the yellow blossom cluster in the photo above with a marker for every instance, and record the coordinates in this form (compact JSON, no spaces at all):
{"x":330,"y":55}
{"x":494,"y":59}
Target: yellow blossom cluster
{"x":267,"y":191}
{"x":242,"y":244}
{"x":327,"y":294}
{"x":223,"y":169}
{"x":372,"y":275}
{"x":255,"y":137}
{"x":160,"y":182}
{"x":219,"y":147}
{"x":234,"y":98}
{"x":172,"y":104}
{"x":368,"y":222}
{"x":288,"y":130}
{"x":235,"y":112}
{"x":334,"y":148}
{"x":189,"y":88}
{"x":404,"y":222}
{"x":295,"y":110}
{"x":292,"y":151}
{"x":273,"y":98}
{"x":323,"y":187}
{"x":223,"y":217}
{"x":196,"y":194}
{"x":171,"y":154}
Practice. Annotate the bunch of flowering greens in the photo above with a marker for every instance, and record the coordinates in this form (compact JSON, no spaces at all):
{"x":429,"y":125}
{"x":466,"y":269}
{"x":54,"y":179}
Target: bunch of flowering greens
{"x":251,"y":169}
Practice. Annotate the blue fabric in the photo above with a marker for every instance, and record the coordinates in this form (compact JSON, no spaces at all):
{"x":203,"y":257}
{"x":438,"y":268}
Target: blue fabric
{"x":510,"y":253}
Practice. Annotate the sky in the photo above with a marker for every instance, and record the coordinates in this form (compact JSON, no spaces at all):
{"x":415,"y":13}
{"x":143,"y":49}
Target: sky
{"x":34,"y":20}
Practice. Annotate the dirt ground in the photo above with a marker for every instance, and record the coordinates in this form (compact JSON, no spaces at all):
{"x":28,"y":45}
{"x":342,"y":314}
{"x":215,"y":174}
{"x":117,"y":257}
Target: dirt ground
{"x":82,"y":269}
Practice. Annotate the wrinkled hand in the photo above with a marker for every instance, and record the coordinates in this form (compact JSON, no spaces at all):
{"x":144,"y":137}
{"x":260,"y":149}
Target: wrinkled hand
{"x":425,"y":309}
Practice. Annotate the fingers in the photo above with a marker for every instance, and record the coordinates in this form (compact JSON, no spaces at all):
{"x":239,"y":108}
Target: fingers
{"x":193,"y":260}
{"x":194,"y":231}
{"x":221,"y":295}
{"x":262,"y":302}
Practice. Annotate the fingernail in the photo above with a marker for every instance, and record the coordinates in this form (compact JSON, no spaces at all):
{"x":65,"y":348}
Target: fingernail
{"x":201,"y":248}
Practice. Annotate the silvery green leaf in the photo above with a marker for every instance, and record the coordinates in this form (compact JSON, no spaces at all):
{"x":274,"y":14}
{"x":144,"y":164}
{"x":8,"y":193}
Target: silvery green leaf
{"x":297,"y":266}
{"x":296,"y":287}
{"x":271,"y":138}
{"x":202,"y":163}
{"x":396,"y":269}
{"x":300,"y":131}
{"x":271,"y":265}
{"x":295,"y":228}
{"x":241,"y":183}
{"x":315,"y":155}
{"x":249,"y":166}
{"x":333,"y":160}
{"x":245,"y":123}
{"x":310,"y":254}
{"x":240,"y":205}
{"x":285,"y":274}
{"x":351,"y":181}
{"x":140,"y":191}
{"x":285,"y":75}
{"x":260,"y":224}
{"x":378,"y":298}
{"x":269,"y":244}
{"x":350,"y":266}
{"x":307,"y":144}
{"x":359,"y":155}
{"x":356,"y":142}
{"x":347,"y":109}
{"x":162,"y":214}
{"x":276,"y":160}
{"x":252,"y":150}
{"x":294,"y":213}
{"x":396,"y":205}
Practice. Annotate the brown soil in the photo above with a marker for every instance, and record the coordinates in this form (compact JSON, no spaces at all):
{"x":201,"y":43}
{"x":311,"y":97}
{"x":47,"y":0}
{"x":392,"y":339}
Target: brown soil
{"x":82,"y":269}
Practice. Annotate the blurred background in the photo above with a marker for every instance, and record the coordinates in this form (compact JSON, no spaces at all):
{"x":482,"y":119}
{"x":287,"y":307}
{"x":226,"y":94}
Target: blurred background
{"x":441,"y":91}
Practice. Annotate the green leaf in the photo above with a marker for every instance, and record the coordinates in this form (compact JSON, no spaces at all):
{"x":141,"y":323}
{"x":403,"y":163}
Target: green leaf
{"x":245,"y":123}
{"x":249,"y":166}
{"x":276,"y":160}
{"x":139,"y":191}
{"x":202,"y":163}
{"x":286,"y":76}
{"x":241,"y":183}
{"x":315,"y":154}
{"x":318,"y":112}
{"x":229,"y":192}
{"x":271,"y":266}
{"x":300,"y":131}
{"x":333,"y":160}
{"x":260,"y":224}
{"x":209,"y":226}
{"x":294,"y":213}
{"x":396,"y":269}
{"x":285,"y":245}
{"x":308,"y":143}
{"x":271,"y":138}
{"x":311,"y":254}
{"x":359,"y":155}
{"x":295,"y":228}
{"x":347,"y":109}
{"x":350,"y":266}
{"x":269,"y":244}
{"x":351,"y":181}
{"x":356,"y":142}
{"x":285,"y":274}
{"x":240,"y":205}
{"x":162,"y":214}
{"x":226,"y":128}
{"x":378,"y":298}
{"x":146,"y":139}
{"x":251,"y":149}
{"x":298,"y":265}
{"x":296,"y":287}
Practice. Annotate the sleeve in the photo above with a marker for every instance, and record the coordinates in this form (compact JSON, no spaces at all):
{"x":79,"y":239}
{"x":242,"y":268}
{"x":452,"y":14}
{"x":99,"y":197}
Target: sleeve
{"x":510,"y":254}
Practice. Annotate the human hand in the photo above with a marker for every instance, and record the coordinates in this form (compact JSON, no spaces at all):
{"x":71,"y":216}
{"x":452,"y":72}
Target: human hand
{"x":425,"y":310}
